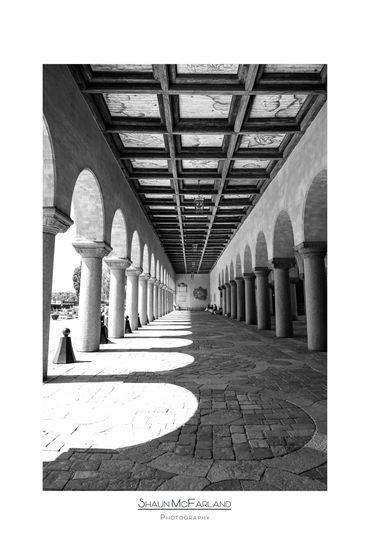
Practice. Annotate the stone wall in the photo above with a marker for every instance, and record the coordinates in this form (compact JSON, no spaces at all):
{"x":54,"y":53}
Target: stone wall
{"x":188,"y":300}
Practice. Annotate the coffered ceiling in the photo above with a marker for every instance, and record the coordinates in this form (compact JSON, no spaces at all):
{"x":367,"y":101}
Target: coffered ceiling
{"x":219,"y":131}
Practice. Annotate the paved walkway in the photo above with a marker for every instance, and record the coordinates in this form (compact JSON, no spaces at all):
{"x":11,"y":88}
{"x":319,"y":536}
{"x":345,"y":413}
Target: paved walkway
{"x":193,"y":401}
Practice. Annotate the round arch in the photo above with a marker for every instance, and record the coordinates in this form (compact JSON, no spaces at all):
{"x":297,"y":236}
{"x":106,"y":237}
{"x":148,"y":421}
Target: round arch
{"x":146,"y":266}
{"x":238,"y":266}
{"x":135,"y":250}
{"x":119,"y":235}
{"x":87,"y":206}
{"x":247,"y":260}
{"x":49,"y":176}
{"x":261,"y":251}
{"x":315,"y":210}
{"x":283,"y":243}
{"x":232,"y":272}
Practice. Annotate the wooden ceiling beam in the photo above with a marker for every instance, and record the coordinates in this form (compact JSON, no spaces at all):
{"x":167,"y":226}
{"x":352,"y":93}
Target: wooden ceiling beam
{"x":202,"y":126}
{"x":199,"y":174}
{"x":201,"y":154}
{"x":264,"y":87}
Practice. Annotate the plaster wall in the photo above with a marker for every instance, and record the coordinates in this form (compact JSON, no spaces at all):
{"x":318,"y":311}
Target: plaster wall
{"x":199,"y":280}
{"x":78,"y":144}
{"x":287,"y":191}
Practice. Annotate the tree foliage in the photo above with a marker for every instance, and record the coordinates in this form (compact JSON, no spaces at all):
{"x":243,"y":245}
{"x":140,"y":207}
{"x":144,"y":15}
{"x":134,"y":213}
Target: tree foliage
{"x":76,"y":278}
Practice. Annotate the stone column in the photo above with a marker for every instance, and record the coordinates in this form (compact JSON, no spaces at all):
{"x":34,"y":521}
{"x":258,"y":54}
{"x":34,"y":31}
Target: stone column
{"x":92,"y":253}
{"x":283,"y":309}
{"x":250,"y":298}
{"x":150,"y":296}
{"x":54,"y":221}
{"x":293,"y":298}
{"x":143,"y":298}
{"x":132,"y":305}
{"x":220,"y":298}
{"x":228,"y":299}
{"x":240,"y":299}
{"x":223,"y":287}
{"x":155,"y":298}
{"x":117,"y":296}
{"x":233,"y":302}
{"x":315,"y":294}
{"x":271,"y":298}
{"x":262,"y":299}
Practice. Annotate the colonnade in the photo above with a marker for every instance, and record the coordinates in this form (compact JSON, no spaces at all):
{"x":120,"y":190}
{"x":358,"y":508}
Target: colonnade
{"x":247,"y":298}
{"x":132,"y":292}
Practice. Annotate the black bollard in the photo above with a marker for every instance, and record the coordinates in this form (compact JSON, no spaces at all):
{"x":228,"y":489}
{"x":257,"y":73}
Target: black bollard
{"x":103,"y":332}
{"x":127,"y":326}
{"x":138,"y":321}
{"x":65,"y":354}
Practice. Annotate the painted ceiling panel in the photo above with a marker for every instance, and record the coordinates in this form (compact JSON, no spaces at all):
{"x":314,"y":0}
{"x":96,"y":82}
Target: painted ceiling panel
{"x":238,"y":164}
{"x":208,"y":68}
{"x":122,"y":67}
{"x":210,"y":164}
{"x":261,"y":140}
{"x":150,"y":163}
{"x":293,"y":68}
{"x":142,"y":140}
{"x":155,"y":182}
{"x":204,"y":105}
{"x":202,"y":140}
{"x":132,"y":105}
{"x":277,"y":105}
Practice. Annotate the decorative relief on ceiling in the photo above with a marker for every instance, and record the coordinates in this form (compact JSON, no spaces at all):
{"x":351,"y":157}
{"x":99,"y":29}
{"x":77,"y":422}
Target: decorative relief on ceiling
{"x":132,"y":105}
{"x":202,"y":140}
{"x":122,"y":67}
{"x":261,"y":140}
{"x":210,"y":164}
{"x":207,"y":68}
{"x":142,"y":140}
{"x":151,"y":182}
{"x":239,"y":164}
{"x":293,"y":68}
{"x":149,"y":163}
{"x":204,"y":105}
{"x":277,"y":105}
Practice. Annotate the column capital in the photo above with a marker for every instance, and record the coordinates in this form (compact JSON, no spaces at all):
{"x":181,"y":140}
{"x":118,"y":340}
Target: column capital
{"x":282,"y":263}
{"x":152,"y":280}
{"x":157,"y":282}
{"x":144,"y":277}
{"x":233,"y":283}
{"x":261,"y":270}
{"x":312,"y":248}
{"x":161,"y":285}
{"x":219,"y":288}
{"x":249,"y":275}
{"x":133,"y":271}
{"x":92,"y":249}
{"x":55,"y":221}
{"x":223,"y":286}
{"x":117,"y":263}
{"x":227,"y":285}
{"x":239,"y":279}
{"x":293,"y":279}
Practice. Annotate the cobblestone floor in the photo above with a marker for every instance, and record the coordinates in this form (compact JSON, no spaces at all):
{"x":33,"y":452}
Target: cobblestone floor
{"x":193,"y":401}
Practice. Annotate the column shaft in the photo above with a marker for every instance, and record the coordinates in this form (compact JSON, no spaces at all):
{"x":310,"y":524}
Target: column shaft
{"x":293,"y":300}
{"x":143,"y":298}
{"x":233,"y":305}
{"x":250,"y":298}
{"x":262,"y":299}
{"x":132,"y":290}
{"x":228,"y":298}
{"x":48,"y":244}
{"x":155,"y":299}
{"x":315,"y":295}
{"x":117,"y":296}
{"x":283,"y":309}
{"x":240,"y":299}
{"x":150,"y":297}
